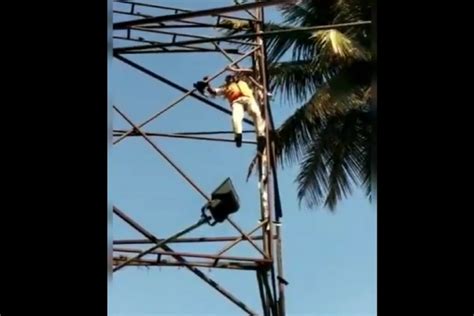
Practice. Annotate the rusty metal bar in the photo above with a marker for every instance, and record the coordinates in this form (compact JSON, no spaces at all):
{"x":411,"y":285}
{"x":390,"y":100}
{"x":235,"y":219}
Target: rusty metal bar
{"x":275,"y":295}
{"x":253,"y":35}
{"x":181,"y":240}
{"x":213,"y":132}
{"x":202,"y":276}
{"x":238,"y":239}
{"x":281,"y":290}
{"x":202,"y":221}
{"x":194,"y":14}
{"x":124,"y":38}
{"x":135,"y":225}
{"x":163,"y":154}
{"x":186,"y":24}
{"x":137,"y":28}
{"x":265,"y":306}
{"x":218,"y":287}
{"x":189,"y":49}
{"x":185,"y":48}
{"x":188,"y":93}
{"x":225,"y":54}
{"x":268,"y":235}
{"x":260,"y":60}
{"x":247,"y":237}
{"x":130,"y":13}
{"x":265,"y":178}
{"x":280,"y":300}
{"x":193,"y":265}
{"x":268,"y":291}
{"x":118,"y":133}
{"x":178,"y":9}
{"x":236,"y":52}
{"x":194,"y":255}
{"x":182,"y":26}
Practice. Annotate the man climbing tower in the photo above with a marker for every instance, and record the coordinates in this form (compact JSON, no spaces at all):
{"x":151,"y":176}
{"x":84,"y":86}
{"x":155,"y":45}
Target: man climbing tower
{"x":241,"y":99}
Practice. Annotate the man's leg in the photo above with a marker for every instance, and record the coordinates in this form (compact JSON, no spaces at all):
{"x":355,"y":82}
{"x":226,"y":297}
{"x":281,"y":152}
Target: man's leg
{"x":237,"y":118}
{"x":254,"y":111}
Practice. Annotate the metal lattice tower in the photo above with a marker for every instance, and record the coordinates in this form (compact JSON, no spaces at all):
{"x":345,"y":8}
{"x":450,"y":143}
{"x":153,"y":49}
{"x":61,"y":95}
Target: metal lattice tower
{"x":268,"y":264}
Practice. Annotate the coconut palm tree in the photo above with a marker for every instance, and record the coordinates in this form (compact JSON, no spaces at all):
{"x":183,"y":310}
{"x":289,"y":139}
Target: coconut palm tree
{"x":328,"y":77}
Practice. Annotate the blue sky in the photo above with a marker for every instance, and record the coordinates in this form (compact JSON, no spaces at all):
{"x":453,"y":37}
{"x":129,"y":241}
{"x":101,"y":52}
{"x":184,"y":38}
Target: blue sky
{"x":329,"y":259}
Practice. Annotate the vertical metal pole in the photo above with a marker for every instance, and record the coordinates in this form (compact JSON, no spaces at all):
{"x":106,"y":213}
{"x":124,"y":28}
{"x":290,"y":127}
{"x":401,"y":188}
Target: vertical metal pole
{"x":269,"y":146}
{"x":279,"y":261}
{"x":264,"y":159}
{"x":265,"y":305}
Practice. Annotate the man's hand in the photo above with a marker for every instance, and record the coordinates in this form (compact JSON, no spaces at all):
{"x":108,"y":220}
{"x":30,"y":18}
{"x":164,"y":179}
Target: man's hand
{"x":201,"y":86}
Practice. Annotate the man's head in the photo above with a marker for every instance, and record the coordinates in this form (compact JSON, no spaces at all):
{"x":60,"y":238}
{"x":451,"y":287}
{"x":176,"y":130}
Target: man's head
{"x":229,"y":79}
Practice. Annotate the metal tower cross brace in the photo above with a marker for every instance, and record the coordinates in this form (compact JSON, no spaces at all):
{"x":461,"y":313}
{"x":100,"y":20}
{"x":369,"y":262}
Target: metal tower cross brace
{"x":268,"y":265}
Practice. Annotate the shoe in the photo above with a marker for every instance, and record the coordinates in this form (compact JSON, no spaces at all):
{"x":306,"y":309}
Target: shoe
{"x":261,"y":142}
{"x":238,"y":140}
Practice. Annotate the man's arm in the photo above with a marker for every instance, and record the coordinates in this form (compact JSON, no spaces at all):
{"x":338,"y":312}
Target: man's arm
{"x":217,"y":91}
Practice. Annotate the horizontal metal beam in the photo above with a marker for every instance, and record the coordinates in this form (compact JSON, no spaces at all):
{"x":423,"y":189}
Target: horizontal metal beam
{"x":233,"y":265}
{"x":143,"y":253}
{"x":194,"y":14}
{"x":118,"y":133}
{"x":193,"y":255}
{"x":180,"y":88}
{"x":131,"y":39}
{"x":185,"y":26}
{"x":250,"y":35}
{"x":181,"y":240}
{"x":139,"y":4}
{"x":178,"y":34}
{"x":190,"y":51}
{"x":196,"y":271}
{"x":213,"y":132}
{"x":129,"y":13}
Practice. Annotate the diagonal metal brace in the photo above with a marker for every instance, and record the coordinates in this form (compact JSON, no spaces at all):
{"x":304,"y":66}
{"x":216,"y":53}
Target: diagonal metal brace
{"x":195,"y":270}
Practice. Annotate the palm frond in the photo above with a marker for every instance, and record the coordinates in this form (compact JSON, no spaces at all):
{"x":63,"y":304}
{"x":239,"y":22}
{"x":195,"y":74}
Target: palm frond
{"x":277,"y":45}
{"x":336,"y":47}
{"x":368,"y":173}
{"x":305,"y":124}
{"x":296,"y":80}
{"x":331,"y":134}
{"x":295,"y":132}
{"x":333,"y":161}
{"x":352,"y":10}
{"x":310,"y":13}
{"x":353,"y":76}
{"x":306,"y":13}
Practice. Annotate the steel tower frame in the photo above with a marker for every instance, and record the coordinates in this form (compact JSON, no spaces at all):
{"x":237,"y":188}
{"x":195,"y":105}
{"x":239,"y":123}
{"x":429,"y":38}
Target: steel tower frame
{"x":269,"y":266}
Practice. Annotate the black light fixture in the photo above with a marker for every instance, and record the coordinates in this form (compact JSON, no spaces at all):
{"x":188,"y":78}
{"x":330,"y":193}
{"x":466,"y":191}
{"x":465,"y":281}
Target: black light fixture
{"x":224,"y":201}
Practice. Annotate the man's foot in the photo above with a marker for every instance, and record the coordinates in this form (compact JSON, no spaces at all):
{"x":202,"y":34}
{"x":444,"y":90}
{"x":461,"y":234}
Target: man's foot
{"x":261,"y":141}
{"x":238,"y":140}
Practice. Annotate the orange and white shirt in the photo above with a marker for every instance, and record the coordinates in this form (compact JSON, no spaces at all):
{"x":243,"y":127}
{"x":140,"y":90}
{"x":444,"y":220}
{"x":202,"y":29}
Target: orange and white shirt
{"x":235,"y":90}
